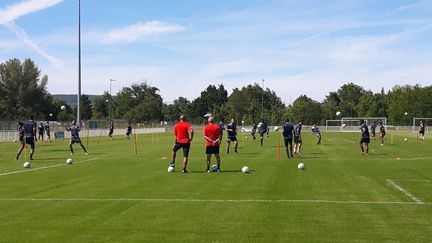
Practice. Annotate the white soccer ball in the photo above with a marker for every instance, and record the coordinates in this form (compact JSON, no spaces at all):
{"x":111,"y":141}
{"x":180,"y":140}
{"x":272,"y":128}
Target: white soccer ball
{"x":14,"y":141}
{"x":406,"y":113}
{"x":245,"y":169}
{"x":276,"y":128}
{"x":69,"y":161}
{"x":170,"y":169}
{"x":63,"y":107}
{"x":27,"y":164}
{"x":405,"y":139}
{"x":246,"y":137}
{"x":338,"y":113}
{"x":301,"y":166}
{"x":214,"y":168}
{"x":344,"y":125}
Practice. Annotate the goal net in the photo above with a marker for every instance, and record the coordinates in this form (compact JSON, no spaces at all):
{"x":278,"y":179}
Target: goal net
{"x":352,"y":124}
{"x":416,"y":124}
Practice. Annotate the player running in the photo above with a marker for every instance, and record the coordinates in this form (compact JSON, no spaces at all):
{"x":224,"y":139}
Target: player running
{"x":365,"y":138}
{"x":183,"y":133}
{"x":373,"y":130}
{"x":316,"y":132}
{"x":75,"y":138}
{"x":28,"y":131}
{"x":111,"y":130}
{"x":422,"y":130}
{"x":48,"y":132}
{"x":232,"y":135}
{"x":41,"y":131}
{"x":382,"y":133}
{"x":263,"y":129}
{"x":287,"y":132}
{"x":297,"y":138}
{"x":128,"y":131}
{"x":213,"y":135}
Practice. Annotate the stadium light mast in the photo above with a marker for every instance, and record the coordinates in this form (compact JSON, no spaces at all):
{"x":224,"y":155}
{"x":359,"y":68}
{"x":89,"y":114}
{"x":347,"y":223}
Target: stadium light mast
{"x":262,"y":101}
{"x":79,"y":64}
{"x":110,"y":100}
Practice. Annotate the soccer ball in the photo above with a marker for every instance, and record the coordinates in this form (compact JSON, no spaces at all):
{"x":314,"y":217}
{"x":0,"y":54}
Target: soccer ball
{"x":245,"y":169}
{"x":69,"y":161}
{"x":301,"y":166}
{"x":27,"y":164}
{"x":344,"y":125}
{"x":406,"y":113}
{"x":170,"y":169}
{"x":276,"y":129}
{"x":14,"y":141}
{"x":338,"y":113}
{"x":63,"y":107}
{"x":246,"y":137}
{"x":405,"y":139}
{"x":214,"y":168}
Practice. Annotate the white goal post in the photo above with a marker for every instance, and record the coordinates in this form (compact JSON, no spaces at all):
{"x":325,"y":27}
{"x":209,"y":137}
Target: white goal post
{"x":352,"y":124}
{"x":416,"y":124}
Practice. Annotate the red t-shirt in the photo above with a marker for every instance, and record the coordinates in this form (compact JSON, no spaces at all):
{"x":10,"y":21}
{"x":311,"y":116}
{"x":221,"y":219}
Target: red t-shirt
{"x":213,"y":132}
{"x":181,"y":131}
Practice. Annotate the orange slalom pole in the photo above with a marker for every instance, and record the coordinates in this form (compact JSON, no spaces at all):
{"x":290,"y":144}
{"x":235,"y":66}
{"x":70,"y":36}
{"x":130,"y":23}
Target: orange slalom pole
{"x":278,"y":149}
{"x":418,"y":140}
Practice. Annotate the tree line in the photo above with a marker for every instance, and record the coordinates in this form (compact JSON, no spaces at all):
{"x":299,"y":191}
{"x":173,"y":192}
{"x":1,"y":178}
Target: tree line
{"x":23,"y":91}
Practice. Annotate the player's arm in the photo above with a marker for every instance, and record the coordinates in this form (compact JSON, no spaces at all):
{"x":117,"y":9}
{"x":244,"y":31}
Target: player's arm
{"x":191,"y":134}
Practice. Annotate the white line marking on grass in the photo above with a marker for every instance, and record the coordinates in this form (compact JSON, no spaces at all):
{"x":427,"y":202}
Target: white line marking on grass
{"x":281,"y":201}
{"x":401,"y":189}
{"x":418,"y":180}
{"x":43,"y":168}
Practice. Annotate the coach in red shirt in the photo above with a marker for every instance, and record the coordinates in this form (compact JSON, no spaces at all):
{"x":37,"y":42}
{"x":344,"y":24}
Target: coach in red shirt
{"x":183,"y":133}
{"x":213,"y":135}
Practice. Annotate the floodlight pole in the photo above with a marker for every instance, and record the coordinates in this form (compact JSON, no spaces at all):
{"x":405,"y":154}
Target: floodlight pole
{"x":79,"y":64}
{"x":110,"y":101}
{"x":262,"y":101}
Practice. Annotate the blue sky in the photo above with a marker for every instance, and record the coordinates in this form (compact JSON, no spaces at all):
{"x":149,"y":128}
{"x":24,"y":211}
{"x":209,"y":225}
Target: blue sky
{"x":298,"y":47}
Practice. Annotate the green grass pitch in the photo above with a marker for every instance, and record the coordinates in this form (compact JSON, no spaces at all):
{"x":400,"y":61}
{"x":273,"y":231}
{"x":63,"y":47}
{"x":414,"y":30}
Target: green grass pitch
{"x":114,"y":195}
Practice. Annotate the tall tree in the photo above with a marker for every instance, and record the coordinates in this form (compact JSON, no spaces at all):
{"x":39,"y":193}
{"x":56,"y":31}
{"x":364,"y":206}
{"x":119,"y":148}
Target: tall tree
{"x":305,"y":109}
{"x":211,"y":98}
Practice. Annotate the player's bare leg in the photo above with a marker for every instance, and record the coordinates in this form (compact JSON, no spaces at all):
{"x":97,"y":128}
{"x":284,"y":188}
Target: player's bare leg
{"x":208,"y":161}
{"x":218,"y":161}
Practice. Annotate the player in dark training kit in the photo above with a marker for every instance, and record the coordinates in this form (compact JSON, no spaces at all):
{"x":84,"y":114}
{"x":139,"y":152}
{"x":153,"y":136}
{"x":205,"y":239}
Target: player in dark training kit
{"x":263,"y":129}
{"x":382,"y":133}
{"x":41,"y":131}
{"x":297,"y":138}
{"x":48,"y":132}
{"x":232,"y":135}
{"x":111,"y":130}
{"x":365,"y":138}
{"x":422,"y":130}
{"x":75,"y":138}
{"x":373,"y":130}
{"x":316,"y":132}
{"x":29,"y":135}
{"x":254,"y":130}
{"x":288,"y":134}
{"x":128,"y":131}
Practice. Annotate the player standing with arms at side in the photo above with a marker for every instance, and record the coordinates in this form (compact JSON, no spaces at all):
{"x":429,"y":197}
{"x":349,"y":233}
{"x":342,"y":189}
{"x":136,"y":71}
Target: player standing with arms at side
{"x":297,"y":138}
{"x":365,"y":138}
{"x":213,"y":135}
{"x":382,"y":133}
{"x":317,"y":133}
{"x":422,"y":130}
{"x":75,"y":138}
{"x":41,"y":131}
{"x":183,"y":133}
{"x":232,"y":135}
{"x":29,"y":135}
{"x":48,"y":132}
{"x":287,"y":132}
{"x":128,"y":131}
{"x":111,"y":130}
{"x":373,"y":130}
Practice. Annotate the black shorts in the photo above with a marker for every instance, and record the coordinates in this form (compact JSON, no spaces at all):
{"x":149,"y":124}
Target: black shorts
{"x":297,"y":139}
{"x":111,"y":132}
{"x":231,"y":139}
{"x":288,"y":140}
{"x":128,"y":133}
{"x":185,"y":146}
{"x":212,"y":150}
{"x":75,"y":140}
{"x":422,"y":132}
{"x":48,"y":134}
{"x":365,"y":140}
{"x":382,"y":135}
{"x":29,"y":140}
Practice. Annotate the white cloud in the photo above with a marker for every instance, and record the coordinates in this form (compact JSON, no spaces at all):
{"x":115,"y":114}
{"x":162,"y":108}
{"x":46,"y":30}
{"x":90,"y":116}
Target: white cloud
{"x":22,"y":35}
{"x":13,"y":12}
{"x":136,"y":32}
